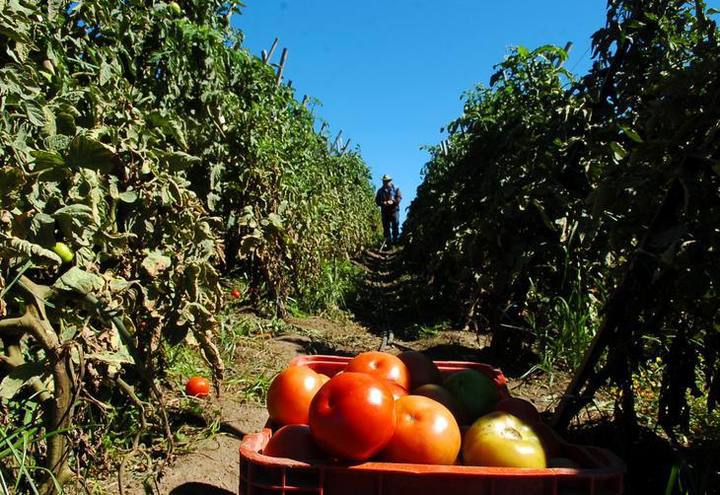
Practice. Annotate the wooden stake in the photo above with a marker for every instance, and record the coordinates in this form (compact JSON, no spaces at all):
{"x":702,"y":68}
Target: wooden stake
{"x":281,"y":68}
{"x":268,"y":55}
{"x":568,"y":47}
{"x":337,"y":141}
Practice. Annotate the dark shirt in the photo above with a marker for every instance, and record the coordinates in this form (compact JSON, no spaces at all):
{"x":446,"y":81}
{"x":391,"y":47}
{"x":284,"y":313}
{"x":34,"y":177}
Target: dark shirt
{"x":388,"y":193}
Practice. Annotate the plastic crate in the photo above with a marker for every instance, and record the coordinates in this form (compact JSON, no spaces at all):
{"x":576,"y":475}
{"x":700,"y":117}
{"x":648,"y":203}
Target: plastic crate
{"x":601,"y":472}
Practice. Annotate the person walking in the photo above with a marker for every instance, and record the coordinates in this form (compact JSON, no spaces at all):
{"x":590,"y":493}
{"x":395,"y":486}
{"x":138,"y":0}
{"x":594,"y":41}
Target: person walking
{"x":388,"y":198}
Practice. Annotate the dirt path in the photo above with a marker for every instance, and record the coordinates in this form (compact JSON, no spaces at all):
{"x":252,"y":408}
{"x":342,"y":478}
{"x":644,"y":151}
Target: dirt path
{"x":380,"y":320}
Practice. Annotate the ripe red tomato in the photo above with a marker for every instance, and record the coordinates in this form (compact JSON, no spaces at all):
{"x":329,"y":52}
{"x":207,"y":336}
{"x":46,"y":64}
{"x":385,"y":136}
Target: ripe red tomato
{"x":290,"y":394}
{"x":382,"y":365}
{"x":198,"y":386}
{"x":520,"y":408}
{"x":422,"y":369}
{"x":353,"y":416}
{"x":235,"y":293}
{"x":425,"y":433}
{"x":396,"y":390}
{"x":293,"y":442}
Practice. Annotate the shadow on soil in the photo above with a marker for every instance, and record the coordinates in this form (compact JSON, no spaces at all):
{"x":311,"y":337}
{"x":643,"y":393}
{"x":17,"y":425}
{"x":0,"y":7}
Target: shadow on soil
{"x":194,"y":488}
{"x":388,"y":298}
{"x":650,"y":459}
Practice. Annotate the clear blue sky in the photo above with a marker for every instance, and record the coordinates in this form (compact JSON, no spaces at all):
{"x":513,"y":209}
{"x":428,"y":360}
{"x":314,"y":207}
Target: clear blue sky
{"x":390,"y":73}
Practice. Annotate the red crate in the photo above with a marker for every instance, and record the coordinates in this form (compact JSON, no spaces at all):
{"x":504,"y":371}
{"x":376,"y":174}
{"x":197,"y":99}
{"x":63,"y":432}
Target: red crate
{"x":601,"y":472}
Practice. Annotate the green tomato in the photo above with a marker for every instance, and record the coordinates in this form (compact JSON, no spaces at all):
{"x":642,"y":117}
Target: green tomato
{"x":175,"y":8}
{"x":63,"y":250}
{"x":477,"y":393}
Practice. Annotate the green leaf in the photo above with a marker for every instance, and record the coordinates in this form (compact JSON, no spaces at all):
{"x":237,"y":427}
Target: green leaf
{"x":78,"y":280}
{"x":618,"y":151}
{"x":19,"y":377}
{"x":43,"y":227}
{"x":178,"y":160}
{"x":85,"y":152}
{"x":47,"y":159}
{"x":33,"y":251}
{"x":128,"y":196}
{"x":35,"y":114}
{"x":54,"y":7}
{"x":275,"y":220}
{"x":632,"y":134}
{"x":105,"y":73}
{"x":80,"y":212}
{"x":120,"y":357}
{"x":156,"y":262}
{"x":57,"y":142}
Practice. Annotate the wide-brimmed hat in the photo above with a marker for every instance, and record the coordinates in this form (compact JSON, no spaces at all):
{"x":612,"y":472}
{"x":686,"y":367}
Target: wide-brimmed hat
{"x":386,"y":178}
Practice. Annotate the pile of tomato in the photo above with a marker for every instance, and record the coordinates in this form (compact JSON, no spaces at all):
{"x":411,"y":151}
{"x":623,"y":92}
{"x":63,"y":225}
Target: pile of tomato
{"x":401,"y":409}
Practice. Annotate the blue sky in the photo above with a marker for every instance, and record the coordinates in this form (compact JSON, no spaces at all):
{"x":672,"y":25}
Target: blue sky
{"x":390,"y":73}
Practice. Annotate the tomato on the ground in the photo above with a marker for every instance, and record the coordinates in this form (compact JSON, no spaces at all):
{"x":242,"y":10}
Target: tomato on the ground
{"x":198,"y":386}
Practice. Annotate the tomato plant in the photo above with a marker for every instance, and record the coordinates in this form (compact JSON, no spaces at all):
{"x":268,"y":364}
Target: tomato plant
{"x":562,"y":206}
{"x":164,"y":154}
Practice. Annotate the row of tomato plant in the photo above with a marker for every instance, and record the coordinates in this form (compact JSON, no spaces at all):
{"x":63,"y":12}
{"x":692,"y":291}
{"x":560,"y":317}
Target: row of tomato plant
{"x":561,"y":207}
{"x":144,"y":154}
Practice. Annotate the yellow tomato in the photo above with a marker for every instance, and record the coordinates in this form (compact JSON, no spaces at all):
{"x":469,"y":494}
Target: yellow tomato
{"x":503,"y":440}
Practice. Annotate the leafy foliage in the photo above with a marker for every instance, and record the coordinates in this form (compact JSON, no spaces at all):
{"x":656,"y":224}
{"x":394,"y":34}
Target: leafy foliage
{"x":154,"y":146}
{"x":552,"y":190}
